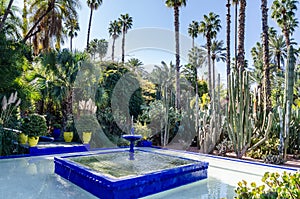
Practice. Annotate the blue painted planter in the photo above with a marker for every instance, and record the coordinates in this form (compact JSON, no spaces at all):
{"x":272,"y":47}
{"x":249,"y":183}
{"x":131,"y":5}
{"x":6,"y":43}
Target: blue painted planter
{"x":144,"y":143}
{"x":56,"y":133}
{"x":129,"y":187}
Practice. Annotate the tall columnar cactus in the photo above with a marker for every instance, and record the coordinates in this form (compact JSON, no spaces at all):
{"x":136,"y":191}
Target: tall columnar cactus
{"x":211,"y":124}
{"x":263,"y":121}
{"x":288,"y":97}
{"x":238,"y":114}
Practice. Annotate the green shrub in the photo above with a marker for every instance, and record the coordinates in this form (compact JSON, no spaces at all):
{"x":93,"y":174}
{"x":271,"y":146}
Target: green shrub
{"x":34,"y":125}
{"x":275,"y":186}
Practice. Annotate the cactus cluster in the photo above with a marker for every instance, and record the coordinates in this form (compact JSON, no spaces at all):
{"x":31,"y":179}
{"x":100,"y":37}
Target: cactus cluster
{"x":238,"y":112}
{"x":211,"y":123}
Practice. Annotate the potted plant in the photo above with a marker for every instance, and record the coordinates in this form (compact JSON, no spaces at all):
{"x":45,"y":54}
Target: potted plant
{"x":68,"y":133}
{"x":56,"y":131}
{"x":87,"y":122}
{"x":143,"y":130}
{"x":34,"y":126}
{"x":86,"y":125}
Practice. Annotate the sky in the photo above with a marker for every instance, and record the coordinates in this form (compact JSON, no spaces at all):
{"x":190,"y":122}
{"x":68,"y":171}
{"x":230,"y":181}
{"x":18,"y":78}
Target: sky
{"x":151,"y":38}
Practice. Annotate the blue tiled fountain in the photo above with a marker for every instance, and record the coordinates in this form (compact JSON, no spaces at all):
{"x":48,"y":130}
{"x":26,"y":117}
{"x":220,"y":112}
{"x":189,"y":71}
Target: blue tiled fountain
{"x":112,"y":175}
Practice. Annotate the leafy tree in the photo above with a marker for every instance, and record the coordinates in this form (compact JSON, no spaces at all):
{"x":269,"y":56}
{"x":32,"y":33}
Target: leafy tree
{"x":114,"y":31}
{"x":93,"y":5}
{"x":176,"y":4}
{"x":126,"y":23}
{"x":108,"y":81}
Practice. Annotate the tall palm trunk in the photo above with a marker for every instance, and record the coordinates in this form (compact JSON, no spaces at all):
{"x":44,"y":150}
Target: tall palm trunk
{"x":123,"y":45}
{"x":235,"y":34}
{"x":71,"y":43}
{"x":278,"y":61}
{"x":30,"y":33}
{"x":286,"y":33}
{"x":213,"y":80}
{"x":228,"y":38}
{"x":25,"y":20}
{"x":113,"y":49}
{"x":241,"y":35}
{"x":7,"y":11}
{"x":265,"y":41}
{"x":89,"y":30}
{"x":176,"y":24}
{"x":197,"y":103}
{"x":193,"y":42}
{"x":208,"y":42}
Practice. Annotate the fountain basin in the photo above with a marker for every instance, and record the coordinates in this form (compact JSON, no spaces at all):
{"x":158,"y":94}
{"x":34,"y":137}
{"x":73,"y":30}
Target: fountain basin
{"x":104,"y":184}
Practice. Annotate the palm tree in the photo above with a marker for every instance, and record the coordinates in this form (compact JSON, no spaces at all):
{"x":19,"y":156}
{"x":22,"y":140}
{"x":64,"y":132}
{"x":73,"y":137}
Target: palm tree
{"x":7,"y":11}
{"x":126,"y":24}
{"x":197,"y":58}
{"x":72,"y":27}
{"x":135,"y":66}
{"x":217,"y":54}
{"x":114,"y":31}
{"x":228,"y":16}
{"x":193,"y":31}
{"x":209,"y":28}
{"x":48,"y":18}
{"x":283,"y":11}
{"x":266,"y":58}
{"x":98,"y":47}
{"x":241,"y":35}
{"x":93,"y":5}
{"x":12,"y":23}
{"x":278,"y":49}
{"x":176,"y":4}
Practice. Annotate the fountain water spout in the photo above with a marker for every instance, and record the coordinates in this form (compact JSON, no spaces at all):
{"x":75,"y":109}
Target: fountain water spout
{"x":132,"y":137}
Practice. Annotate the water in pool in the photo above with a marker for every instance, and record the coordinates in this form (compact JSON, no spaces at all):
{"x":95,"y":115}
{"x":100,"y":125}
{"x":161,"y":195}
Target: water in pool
{"x":34,"y":177}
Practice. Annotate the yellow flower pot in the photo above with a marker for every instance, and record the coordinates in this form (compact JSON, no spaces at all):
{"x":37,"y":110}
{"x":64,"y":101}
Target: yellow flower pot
{"x":86,"y":137}
{"x":33,"y":141}
{"x":23,"y":138}
{"x":68,"y":136}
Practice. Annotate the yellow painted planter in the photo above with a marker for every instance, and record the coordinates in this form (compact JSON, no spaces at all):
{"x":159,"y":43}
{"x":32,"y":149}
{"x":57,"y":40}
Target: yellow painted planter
{"x":33,"y":141}
{"x":23,"y":138}
{"x":86,"y":137}
{"x":68,"y":136}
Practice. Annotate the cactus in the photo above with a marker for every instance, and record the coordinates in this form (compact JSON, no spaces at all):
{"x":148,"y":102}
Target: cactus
{"x":262,"y":121}
{"x":238,"y":113}
{"x":211,"y":124}
{"x":288,"y":99}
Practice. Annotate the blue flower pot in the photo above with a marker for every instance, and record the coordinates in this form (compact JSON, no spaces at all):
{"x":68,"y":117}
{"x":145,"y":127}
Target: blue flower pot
{"x":56,"y":133}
